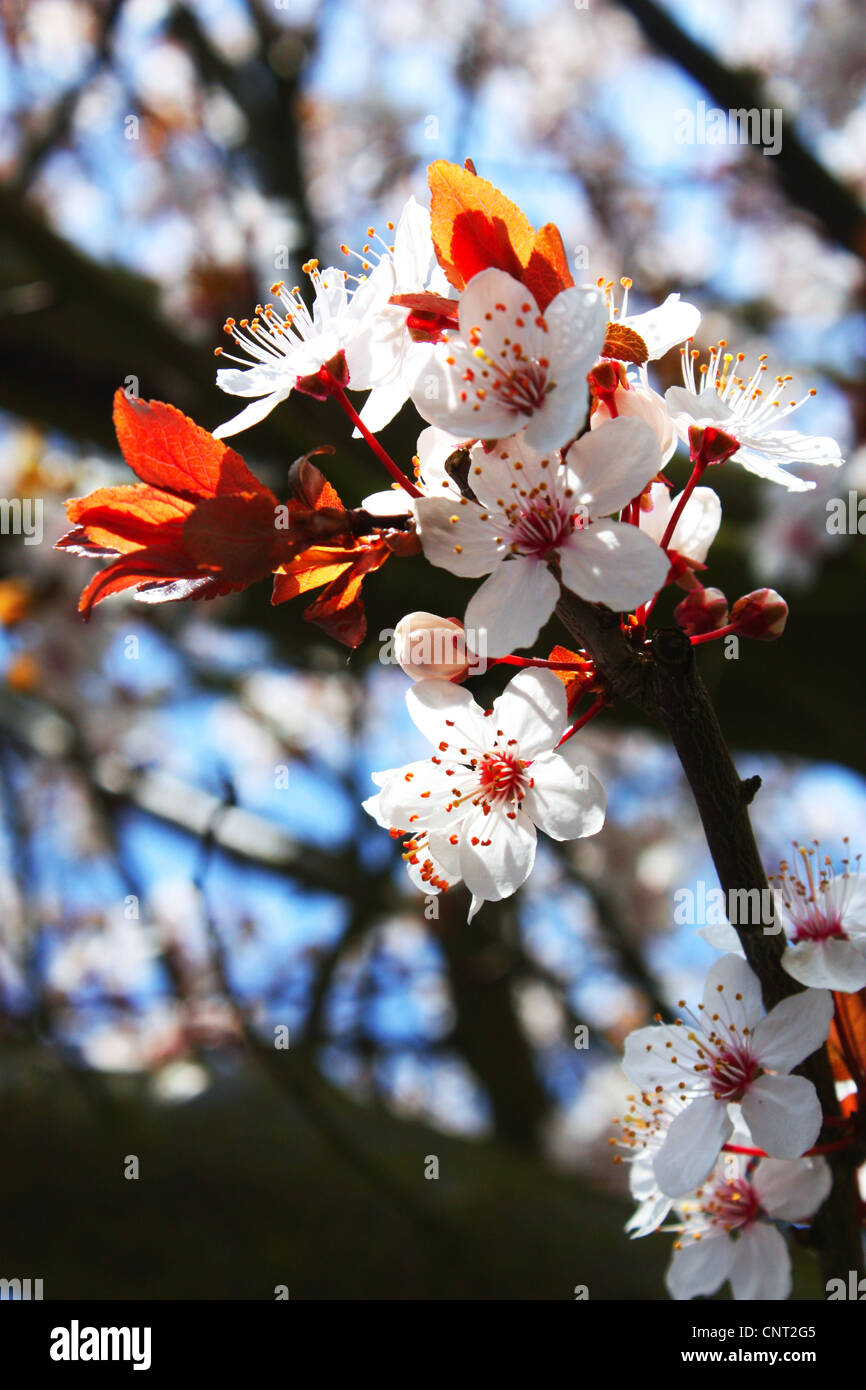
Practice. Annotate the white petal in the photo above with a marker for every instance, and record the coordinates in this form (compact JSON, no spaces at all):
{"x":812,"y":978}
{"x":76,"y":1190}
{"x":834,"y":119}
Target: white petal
{"x":793,"y":1030}
{"x":511,"y":606}
{"x":567,"y":803}
{"x":613,"y":563}
{"x":373,"y":807}
{"x":262,"y":380}
{"x":577,"y":322}
{"x":382,"y":405}
{"x":431,"y":855}
{"x":503,"y":857}
{"x":610,"y":465}
{"x":641,"y":402}
{"x":646,"y":1062}
{"x":792,"y":1189}
{"x":761,"y":1268}
{"x":698,"y":525}
{"x":831,"y":964}
{"x":533,"y":709}
{"x":447,"y":713}
{"x":687,"y":408}
{"x":455,"y":538}
{"x":722,"y":937}
{"x":434,"y":448}
{"x":394,"y":501}
{"x":756,"y":461}
{"x":445,"y":853}
{"x":414,"y":255}
{"x":250,"y":415}
{"x":700,"y":1268}
{"x":784,"y":1115}
{"x":418,"y":797}
{"x":666,"y":326}
{"x":649,"y":1215}
{"x":736,"y":979}
{"x":692,"y":1145}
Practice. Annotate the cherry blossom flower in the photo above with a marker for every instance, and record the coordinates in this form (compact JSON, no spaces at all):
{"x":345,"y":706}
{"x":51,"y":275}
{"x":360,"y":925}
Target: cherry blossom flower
{"x":642,"y":1131}
{"x":697,"y":526}
{"x":532,"y":510}
{"x":385,"y":355}
{"x":749,"y":414}
{"x":473,"y":807}
{"x":731,"y":1051}
{"x":510,"y":366}
{"x":727,"y":1231}
{"x":285,"y":347}
{"x":824,"y":917}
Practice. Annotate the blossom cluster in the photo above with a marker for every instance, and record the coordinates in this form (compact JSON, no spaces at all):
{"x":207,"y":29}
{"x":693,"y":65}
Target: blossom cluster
{"x":541,"y":470}
{"x":721,"y":1136}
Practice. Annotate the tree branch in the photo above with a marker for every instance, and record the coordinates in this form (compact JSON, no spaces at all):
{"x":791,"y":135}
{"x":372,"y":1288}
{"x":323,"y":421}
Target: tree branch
{"x":666,"y":685}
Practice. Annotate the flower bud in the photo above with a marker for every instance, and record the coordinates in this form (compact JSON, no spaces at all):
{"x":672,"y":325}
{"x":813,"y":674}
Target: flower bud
{"x":428,"y":647}
{"x":702,"y":610}
{"x":762,"y":615}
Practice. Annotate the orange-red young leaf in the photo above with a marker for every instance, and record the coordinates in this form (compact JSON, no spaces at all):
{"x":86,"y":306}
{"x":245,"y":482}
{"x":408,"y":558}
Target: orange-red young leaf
{"x":339,"y":610}
{"x":475,"y":227}
{"x":546,"y":272}
{"x":201,"y":524}
{"x":165,"y":448}
{"x":847,"y":1045}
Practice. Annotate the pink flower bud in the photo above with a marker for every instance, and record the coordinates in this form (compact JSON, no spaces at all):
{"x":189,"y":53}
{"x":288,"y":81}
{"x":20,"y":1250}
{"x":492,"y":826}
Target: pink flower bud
{"x":702,"y":610}
{"x":761,"y":615}
{"x":432,"y":648}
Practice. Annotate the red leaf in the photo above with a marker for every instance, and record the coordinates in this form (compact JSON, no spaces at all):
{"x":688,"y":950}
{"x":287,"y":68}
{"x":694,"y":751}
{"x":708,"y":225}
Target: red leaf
{"x":546,"y":273}
{"x":848,"y":1039}
{"x":235,"y":537}
{"x":339,"y":610}
{"x":129,"y":518}
{"x":476,"y":227}
{"x":165,"y":448}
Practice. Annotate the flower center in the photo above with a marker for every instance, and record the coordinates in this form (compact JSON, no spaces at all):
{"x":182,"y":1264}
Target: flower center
{"x":733,"y":1071}
{"x":544,"y":526}
{"x":502,"y":777}
{"x":734,"y":1204}
{"x":819,"y":927}
{"x":522,"y":387}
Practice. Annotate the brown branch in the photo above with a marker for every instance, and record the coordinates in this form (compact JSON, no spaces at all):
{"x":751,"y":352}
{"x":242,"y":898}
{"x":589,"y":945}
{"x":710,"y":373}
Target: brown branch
{"x":666,"y":685}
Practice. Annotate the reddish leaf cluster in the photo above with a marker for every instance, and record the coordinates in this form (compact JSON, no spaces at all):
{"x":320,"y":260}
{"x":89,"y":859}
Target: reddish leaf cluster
{"x":200,"y":524}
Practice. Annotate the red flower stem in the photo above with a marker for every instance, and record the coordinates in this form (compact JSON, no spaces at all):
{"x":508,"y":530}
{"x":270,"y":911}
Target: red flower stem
{"x":835,"y":1147}
{"x":595,"y":708}
{"x":381,"y":454}
{"x":537,"y":661}
{"x":711,"y":636}
{"x":697,"y":473}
